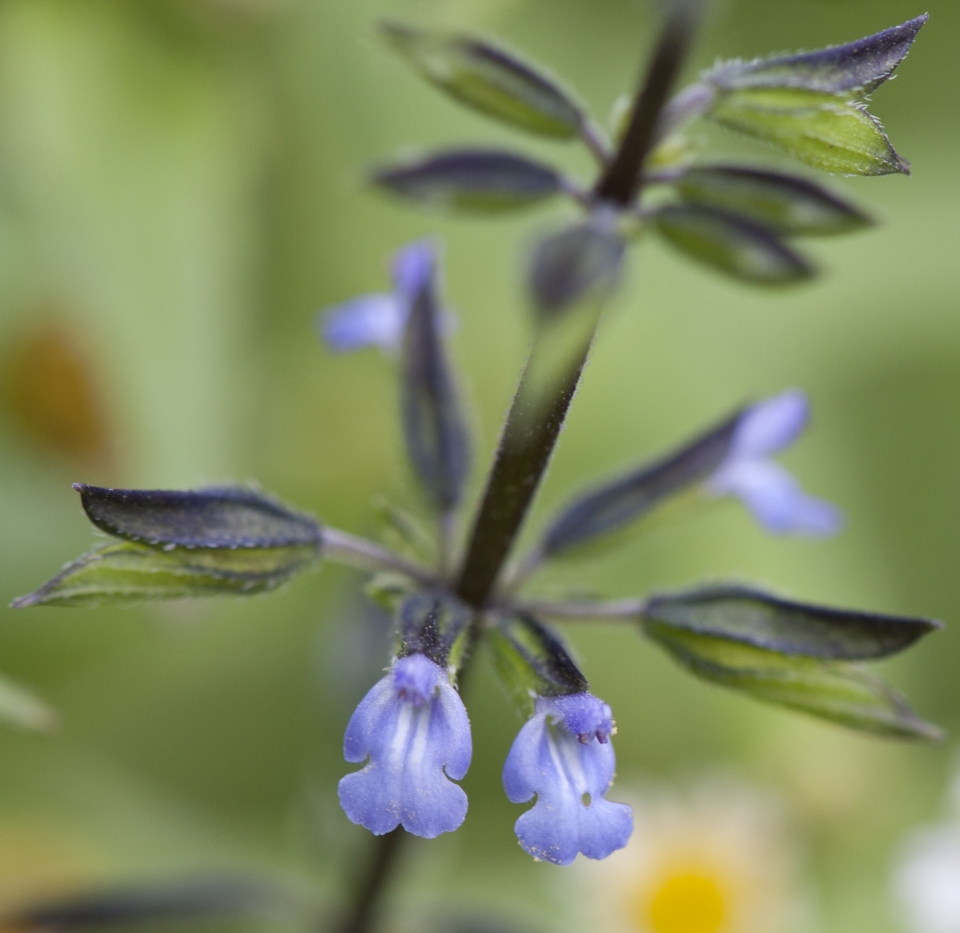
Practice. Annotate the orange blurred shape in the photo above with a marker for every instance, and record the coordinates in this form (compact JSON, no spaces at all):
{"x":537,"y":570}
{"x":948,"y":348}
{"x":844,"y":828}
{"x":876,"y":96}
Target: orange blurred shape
{"x":49,"y":389}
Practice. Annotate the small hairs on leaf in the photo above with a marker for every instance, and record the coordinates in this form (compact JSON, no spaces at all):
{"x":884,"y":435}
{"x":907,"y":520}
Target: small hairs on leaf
{"x":216,"y":517}
{"x":488,"y":79}
{"x":836,"y":691}
{"x":859,"y":66}
{"x":753,"y":617}
{"x":822,"y":130}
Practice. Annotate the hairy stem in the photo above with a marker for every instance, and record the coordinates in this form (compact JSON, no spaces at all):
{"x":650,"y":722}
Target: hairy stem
{"x":621,"y":181}
{"x":368,"y":555}
{"x":521,"y":460}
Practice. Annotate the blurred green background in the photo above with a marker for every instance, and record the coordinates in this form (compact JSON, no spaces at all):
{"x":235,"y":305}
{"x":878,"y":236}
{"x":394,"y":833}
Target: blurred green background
{"x":181,"y":186}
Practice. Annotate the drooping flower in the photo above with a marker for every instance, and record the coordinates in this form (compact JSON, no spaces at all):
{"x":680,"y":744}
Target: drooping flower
{"x":767,"y":489}
{"x":379,"y":319}
{"x":413,"y":732}
{"x":563,"y":755}
{"x":717,"y":860}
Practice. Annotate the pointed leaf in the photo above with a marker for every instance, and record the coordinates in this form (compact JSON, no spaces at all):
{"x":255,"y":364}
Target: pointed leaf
{"x":731,"y":244}
{"x":20,"y":708}
{"x":750,"y":616}
{"x":783,"y":203}
{"x":489,"y":79}
{"x":472,"y":180}
{"x":629,"y":497}
{"x":571,"y":265}
{"x":857,"y":66}
{"x":216,"y":517}
{"x":531,"y":659}
{"x":821,"y":130}
{"x":431,"y":623}
{"x":131,"y":572}
{"x":433,"y":423}
{"x":839,"y":692}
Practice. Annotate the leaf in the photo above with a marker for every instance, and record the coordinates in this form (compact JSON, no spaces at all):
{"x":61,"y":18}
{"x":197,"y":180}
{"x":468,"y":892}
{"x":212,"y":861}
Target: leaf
{"x":434,"y":426}
{"x":177,"y":904}
{"x":752,"y":617}
{"x":821,"y":130}
{"x":129,"y":572}
{"x":216,"y":517}
{"x":731,"y":244}
{"x":571,"y":265}
{"x":857,"y":66}
{"x":431,"y":623}
{"x":629,"y":497}
{"x":836,"y":691}
{"x":531,"y":659}
{"x":472,"y":180}
{"x":488,"y":79}
{"x":783,"y":203}
{"x":20,"y":708}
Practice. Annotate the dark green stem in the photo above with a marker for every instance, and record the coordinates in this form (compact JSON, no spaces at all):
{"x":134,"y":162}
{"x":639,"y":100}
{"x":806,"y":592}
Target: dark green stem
{"x":372,"y":883}
{"x":522,"y":458}
{"x":621,"y":181}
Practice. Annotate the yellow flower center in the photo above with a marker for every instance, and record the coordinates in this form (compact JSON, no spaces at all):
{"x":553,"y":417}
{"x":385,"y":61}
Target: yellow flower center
{"x":689,"y":902}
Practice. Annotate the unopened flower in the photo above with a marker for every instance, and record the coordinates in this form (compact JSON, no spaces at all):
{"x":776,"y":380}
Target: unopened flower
{"x":767,"y":489}
{"x":413,"y":732}
{"x":563,"y":756}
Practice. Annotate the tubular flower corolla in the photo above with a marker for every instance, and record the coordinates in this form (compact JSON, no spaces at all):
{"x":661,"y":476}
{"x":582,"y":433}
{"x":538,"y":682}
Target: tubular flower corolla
{"x":379,"y":319}
{"x":768,"y":490}
{"x":412,"y":730}
{"x":563,"y":755}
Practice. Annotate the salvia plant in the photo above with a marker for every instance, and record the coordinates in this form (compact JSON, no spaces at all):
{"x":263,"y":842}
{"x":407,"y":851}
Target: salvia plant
{"x":410,"y":736}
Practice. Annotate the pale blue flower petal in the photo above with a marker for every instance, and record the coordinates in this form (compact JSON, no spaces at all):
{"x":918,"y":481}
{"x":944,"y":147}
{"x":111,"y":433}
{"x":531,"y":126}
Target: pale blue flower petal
{"x":413,"y":731}
{"x":770,"y":426}
{"x":569,"y":778}
{"x":776,"y":499}
{"x":413,"y":269}
{"x":369,"y":321}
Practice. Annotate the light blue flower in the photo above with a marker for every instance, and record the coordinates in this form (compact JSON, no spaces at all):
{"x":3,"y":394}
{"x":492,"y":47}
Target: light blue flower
{"x":768,"y":490}
{"x":413,"y":732}
{"x":564,"y":756}
{"x":379,"y":319}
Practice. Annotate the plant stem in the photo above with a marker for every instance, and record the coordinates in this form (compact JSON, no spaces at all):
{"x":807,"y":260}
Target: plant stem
{"x":368,"y":555}
{"x":372,"y":883}
{"x":521,"y":460}
{"x":621,"y":181}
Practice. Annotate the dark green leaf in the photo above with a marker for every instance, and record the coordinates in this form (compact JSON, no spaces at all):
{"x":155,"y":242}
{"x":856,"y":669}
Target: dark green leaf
{"x":572,"y":265}
{"x":434,"y":426}
{"x":784,"y":203}
{"x":839,"y":692}
{"x":750,"y":616}
{"x":858,"y":66}
{"x":130,"y":572}
{"x":472,"y":180}
{"x":489,"y":79}
{"x":431,"y":623}
{"x":532,"y":659}
{"x":731,"y":244}
{"x":626,"y":499}
{"x":217,"y":517}
{"x":822,"y":130}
